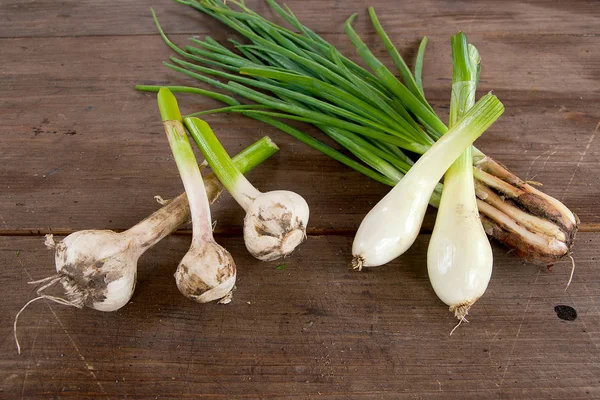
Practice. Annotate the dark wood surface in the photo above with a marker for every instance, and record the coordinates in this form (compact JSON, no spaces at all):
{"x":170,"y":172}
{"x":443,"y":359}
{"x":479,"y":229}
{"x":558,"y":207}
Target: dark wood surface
{"x":80,"y":149}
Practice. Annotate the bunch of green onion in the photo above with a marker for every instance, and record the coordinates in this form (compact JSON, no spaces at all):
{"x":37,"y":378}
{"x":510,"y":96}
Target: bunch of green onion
{"x":392,"y":133}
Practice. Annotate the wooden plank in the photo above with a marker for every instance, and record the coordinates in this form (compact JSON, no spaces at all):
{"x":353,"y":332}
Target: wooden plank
{"x":80,"y":149}
{"x":104,"y":17}
{"x":91,"y":142}
{"x":550,"y":68}
{"x":312,"y":330}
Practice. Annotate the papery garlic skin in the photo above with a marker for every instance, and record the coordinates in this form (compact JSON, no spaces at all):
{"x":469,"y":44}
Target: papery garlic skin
{"x":275,"y":224}
{"x":98,"y":268}
{"x":206,"y":273}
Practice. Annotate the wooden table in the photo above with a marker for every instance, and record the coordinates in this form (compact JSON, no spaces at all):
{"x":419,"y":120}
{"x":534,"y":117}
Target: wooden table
{"x":81,"y":149}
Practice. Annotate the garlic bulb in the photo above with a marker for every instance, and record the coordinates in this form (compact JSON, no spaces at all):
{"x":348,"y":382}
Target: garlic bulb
{"x":275,"y":222}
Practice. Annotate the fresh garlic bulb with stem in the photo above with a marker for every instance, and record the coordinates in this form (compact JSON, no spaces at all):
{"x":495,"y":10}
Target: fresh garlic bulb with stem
{"x":98,"y":268}
{"x":207,"y":272}
{"x":275,"y":222}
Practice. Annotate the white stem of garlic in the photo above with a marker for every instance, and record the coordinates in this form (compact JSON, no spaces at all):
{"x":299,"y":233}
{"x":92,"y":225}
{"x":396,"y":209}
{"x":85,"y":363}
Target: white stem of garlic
{"x":207,"y":271}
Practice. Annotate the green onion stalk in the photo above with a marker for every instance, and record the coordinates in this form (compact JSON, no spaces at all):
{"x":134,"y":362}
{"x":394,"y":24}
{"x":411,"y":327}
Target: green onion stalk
{"x":392,"y":226}
{"x":383,"y":121}
{"x":459,"y":255}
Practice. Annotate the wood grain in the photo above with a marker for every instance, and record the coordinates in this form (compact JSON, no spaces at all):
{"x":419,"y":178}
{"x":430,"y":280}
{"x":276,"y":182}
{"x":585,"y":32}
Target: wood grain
{"x":313,"y":328}
{"x":426,"y":17}
{"x":79,"y":148}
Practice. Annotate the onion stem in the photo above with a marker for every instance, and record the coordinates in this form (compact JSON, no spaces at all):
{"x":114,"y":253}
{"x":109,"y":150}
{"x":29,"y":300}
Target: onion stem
{"x":392,"y":226}
{"x":295,"y":133}
{"x":220,"y":162}
{"x":419,"y":65}
{"x":407,"y":76}
{"x":186,"y":164}
{"x":422,"y":111}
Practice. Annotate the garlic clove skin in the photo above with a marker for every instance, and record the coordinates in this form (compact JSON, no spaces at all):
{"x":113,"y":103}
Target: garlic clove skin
{"x":119,"y":292}
{"x":98,"y":268}
{"x":207,"y":272}
{"x":275,"y":224}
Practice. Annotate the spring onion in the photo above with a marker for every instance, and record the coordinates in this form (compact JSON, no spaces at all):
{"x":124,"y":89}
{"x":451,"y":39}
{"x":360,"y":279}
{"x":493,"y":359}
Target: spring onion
{"x":459,"y":256}
{"x":392,"y":226}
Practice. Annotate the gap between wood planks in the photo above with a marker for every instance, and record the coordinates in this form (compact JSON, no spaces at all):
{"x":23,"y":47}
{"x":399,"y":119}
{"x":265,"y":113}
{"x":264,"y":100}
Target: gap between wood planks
{"x":323,"y":33}
{"x":589,"y":227}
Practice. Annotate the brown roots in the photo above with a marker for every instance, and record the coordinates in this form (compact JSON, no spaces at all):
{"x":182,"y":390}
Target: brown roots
{"x":534,"y":244}
{"x":357,"y":263}
{"x":460,"y":312}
